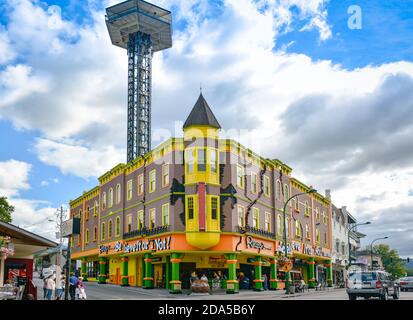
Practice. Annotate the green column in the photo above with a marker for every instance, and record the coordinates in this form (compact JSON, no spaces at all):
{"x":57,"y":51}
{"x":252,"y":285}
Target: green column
{"x":125,"y":272}
{"x":175,"y":283}
{"x":102,"y":270}
{"x":329,"y":267}
{"x":168,"y":272}
{"x":258,"y":281}
{"x":232,"y":282}
{"x":148,"y":280}
{"x":311,"y":278}
{"x":273,"y":275}
{"x":84,"y":271}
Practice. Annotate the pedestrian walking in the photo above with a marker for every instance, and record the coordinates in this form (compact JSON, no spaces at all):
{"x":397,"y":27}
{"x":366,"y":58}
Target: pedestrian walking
{"x":193,"y":277}
{"x":60,"y":287}
{"x":216,"y":281}
{"x":81,"y":289}
{"x":44,"y":288}
{"x":50,"y":287}
{"x":73,"y":281}
{"x":265,"y":278}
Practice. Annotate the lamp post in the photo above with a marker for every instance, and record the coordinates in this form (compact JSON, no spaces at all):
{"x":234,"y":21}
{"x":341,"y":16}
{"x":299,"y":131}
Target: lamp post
{"x":371,"y":249}
{"x":348,"y":241}
{"x":287,"y":285}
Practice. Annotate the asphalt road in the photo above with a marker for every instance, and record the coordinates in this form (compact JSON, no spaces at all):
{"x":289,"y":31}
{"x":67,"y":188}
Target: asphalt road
{"x":95,"y":291}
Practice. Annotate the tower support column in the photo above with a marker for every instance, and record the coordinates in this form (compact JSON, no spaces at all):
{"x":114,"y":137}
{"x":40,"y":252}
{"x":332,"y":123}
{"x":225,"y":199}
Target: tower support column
{"x":83,"y":269}
{"x":232,"y":282}
{"x":258,"y":281}
{"x":311,"y":274}
{"x":125,"y":272}
{"x":329,"y":267}
{"x":148,"y":279}
{"x":102,"y":270}
{"x":273,"y":275}
{"x":175,"y":283}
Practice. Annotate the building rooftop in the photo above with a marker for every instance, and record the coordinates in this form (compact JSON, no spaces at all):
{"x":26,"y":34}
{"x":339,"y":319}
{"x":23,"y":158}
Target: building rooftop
{"x":201,"y":114}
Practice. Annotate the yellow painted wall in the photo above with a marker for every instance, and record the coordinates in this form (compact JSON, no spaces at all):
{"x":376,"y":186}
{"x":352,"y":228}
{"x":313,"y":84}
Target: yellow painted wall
{"x":132,"y":264}
{"x":114,"y":263}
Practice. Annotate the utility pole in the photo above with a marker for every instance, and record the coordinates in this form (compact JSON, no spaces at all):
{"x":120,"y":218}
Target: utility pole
{"x":60,"y":217}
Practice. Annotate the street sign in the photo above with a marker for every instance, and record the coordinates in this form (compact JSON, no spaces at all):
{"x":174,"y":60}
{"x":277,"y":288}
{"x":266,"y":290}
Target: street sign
{"x":70,"y":227}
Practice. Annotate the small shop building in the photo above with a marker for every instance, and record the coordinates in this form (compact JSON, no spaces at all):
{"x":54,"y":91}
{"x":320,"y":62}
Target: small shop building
{"x":18,"y":247}
{"x":201,"y":204}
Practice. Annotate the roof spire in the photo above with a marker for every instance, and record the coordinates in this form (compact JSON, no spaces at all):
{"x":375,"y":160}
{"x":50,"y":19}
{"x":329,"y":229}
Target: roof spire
{"x":201,"y":115}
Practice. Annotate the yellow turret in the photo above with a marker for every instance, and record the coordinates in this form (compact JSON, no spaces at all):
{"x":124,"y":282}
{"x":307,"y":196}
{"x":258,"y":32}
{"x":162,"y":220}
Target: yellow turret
{"x":201,"y":133}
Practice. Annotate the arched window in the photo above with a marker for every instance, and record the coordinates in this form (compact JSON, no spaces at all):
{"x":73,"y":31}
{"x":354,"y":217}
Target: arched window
{"x":117,"y":193}
{"x":279,"y":225}
{"x":110,"y":229}
{"x":278,"y":186}
{"x":104,"y":201}
{"x":110,"y":197}
{"x":286,"y":193}
{"x":307,"y":209}
{"x":307,"y":231}
{"x":95,"y":209}
{"x":117,"y":229}
{"x":87,"y":236}
{"x":95,"y":233}
{"x":288,"y":227}
{"x":103,"y":231}
{"x":317,"y":214}
{"x":317,"y":236}
{"x":297,"y":229}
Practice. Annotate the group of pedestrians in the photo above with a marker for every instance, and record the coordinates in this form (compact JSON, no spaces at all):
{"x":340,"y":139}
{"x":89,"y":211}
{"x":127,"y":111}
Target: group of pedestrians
{"x":53,"y":285}
{"x":57,"y":286}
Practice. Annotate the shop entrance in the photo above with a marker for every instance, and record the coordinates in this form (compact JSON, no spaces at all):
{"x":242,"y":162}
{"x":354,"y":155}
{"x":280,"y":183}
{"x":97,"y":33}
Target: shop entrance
{"x":186,"y":268}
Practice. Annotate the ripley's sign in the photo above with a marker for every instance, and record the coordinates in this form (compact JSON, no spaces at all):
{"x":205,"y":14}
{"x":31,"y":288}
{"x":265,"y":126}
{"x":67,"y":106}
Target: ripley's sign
{"x":158,"y":244}
{"x":251,"y":243}
{"x":302,"y":248}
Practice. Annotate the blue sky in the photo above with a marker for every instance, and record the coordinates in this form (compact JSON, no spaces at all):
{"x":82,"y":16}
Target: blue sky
{"x":44,"y":74}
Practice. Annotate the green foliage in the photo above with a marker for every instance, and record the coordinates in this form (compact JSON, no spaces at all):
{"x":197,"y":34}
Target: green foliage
{"x":409,"y":273}
{"x":6,"y":210}
{"x":392,"y":263}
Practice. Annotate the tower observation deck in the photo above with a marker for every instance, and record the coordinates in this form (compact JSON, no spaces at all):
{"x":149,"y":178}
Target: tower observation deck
{"x":142,"y":28}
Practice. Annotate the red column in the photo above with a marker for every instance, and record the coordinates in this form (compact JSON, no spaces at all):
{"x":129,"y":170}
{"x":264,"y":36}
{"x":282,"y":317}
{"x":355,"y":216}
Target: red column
{"x":202,"y":206}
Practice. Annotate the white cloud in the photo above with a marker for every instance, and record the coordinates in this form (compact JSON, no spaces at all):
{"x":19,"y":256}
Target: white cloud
{"x":14,"y":177}
{"x":6,"y":52}
{"x":76,"y":159}
{"x":75,"y":94}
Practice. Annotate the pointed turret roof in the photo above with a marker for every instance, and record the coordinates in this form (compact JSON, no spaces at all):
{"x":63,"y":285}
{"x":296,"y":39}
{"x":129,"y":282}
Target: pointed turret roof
{"x":201,"y":115}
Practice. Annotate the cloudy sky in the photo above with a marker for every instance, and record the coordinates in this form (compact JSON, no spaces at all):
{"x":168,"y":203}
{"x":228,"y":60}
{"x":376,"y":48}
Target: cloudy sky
{"x":322,"y":85}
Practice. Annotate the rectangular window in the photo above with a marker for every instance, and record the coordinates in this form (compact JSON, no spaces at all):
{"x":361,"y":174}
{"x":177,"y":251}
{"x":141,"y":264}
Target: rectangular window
{"x":129,"y":190}
{"x":317,"y":236}
{"x":140,"y":184}
{"x":241,"y":216}
{"x":152,"y":180}
{"x":87,"y":236}
{"x":266,"y":186}
{"x":213,"y":160}
{"x":202,"y":160}
{"x":254,"y":182}
{"x":140,"y":220}
{"x":240,"y":176}
{"x":129,"y":223}
{"x":165,"y":215}
{"x":267,"y":222}
{"x":255,"y":218}
{"x":190,"y":160}
{"x":103,"y":231}
{"x":165,"y":175}
{"x":214,"y":208}
{"x":152,"y":218}
{"x":190,"y":207}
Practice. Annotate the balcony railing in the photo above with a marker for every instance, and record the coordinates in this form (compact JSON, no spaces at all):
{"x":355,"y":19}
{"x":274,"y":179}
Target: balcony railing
{"x":256,"y":231}
{"x":146,"y":232}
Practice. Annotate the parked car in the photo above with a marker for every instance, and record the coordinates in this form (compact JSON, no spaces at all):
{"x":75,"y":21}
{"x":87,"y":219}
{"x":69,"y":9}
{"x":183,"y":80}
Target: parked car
{"x":406,"y":283}
{"x":369,"y":284}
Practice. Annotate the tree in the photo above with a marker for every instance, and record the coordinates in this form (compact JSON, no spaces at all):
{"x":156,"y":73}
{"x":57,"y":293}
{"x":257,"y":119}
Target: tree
{"x":392,"y":263}
{"x":409,"y":273}
{"x":6,"y":210}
